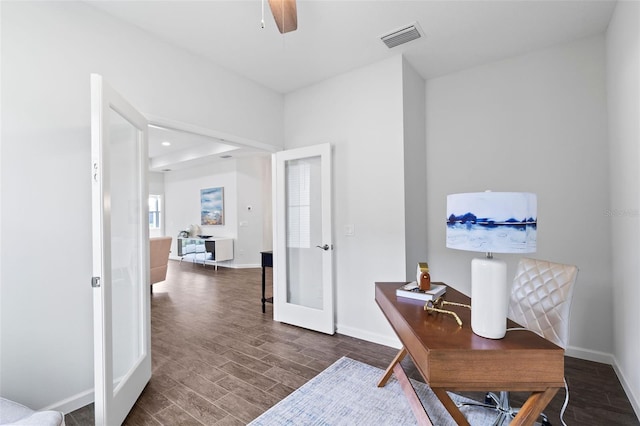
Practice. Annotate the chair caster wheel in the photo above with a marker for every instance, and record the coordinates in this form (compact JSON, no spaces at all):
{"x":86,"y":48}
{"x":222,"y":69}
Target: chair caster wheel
{"x":488,"y":400}
{"x":545,"y":422}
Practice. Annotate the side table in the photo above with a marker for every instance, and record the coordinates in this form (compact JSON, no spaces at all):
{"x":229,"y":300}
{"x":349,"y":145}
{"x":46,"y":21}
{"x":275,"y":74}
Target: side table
{"x":267,"y":261}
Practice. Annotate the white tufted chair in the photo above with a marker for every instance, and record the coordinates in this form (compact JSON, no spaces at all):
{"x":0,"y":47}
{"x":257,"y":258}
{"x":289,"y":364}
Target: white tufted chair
{"x":13,"y":413}
{"x":541,"y":298}
{"x":541,"y":302}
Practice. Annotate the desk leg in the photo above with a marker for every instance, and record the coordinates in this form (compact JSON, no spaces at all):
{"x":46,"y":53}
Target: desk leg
{"x":451,"y":407}
{"x":414,"y":402}
{"x":533,"y":406}
{"x":387,"y":374}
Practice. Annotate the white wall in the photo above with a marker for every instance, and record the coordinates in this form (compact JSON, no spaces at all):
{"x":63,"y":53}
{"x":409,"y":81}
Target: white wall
{"x":48,"y":51}
{"x":536,"y":123}
{"x":182,"y":195}
{"x":553,"y":100}
{"x":255,"y":225}
{"x":156,"y":183}
{"x":415,"y":169}
{"x":243,"y":184}
{"x":623,"y":84}
{"x":360,"y":114}
{"x":267,"y":207}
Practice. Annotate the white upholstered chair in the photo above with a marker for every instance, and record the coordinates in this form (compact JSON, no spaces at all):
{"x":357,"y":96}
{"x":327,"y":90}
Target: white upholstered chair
{"x":541,"y":302}
{"x":13,"y":413}
{"x":159,"y":249}
{"x":541,"y":298}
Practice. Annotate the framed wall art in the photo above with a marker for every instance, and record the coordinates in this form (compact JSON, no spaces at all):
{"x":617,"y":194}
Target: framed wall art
{"x":212,"y":206}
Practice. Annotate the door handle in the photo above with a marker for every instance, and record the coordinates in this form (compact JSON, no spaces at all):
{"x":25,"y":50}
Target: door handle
{"x":324,"y":247}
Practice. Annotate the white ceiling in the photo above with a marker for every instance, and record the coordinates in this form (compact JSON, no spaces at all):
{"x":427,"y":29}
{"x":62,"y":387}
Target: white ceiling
{"x":171,"y":149}
{"x":334,"y":36}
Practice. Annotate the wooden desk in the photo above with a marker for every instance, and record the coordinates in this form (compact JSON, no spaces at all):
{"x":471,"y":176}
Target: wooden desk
{"x":267,"y":262}
{"x":453,"y":358}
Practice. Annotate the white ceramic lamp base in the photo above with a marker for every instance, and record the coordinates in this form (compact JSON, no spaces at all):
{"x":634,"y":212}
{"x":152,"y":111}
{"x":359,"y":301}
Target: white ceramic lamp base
{"x":489,"y":298}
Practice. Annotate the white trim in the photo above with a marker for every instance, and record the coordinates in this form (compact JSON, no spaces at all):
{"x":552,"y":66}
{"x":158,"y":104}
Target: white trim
{"x":589,"y":355}
{"x":633,"y":399}
{"x":378,"y":338}
{"x":244,"y":265}
{"x":203,"y":131}
{"x":72,"y":403}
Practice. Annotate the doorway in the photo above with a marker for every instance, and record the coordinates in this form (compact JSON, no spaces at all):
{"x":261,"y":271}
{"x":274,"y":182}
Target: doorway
{"x":185,"y":159}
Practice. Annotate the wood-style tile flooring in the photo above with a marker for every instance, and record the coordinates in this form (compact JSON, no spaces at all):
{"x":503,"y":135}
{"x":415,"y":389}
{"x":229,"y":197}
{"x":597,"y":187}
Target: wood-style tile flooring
{"x":218,"y":360}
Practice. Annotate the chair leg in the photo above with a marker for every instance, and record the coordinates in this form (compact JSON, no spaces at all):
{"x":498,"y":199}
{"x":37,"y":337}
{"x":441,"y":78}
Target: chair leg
{"x":500,"y":403}
{"x":504,"y":407}
{"x":490,"y":402}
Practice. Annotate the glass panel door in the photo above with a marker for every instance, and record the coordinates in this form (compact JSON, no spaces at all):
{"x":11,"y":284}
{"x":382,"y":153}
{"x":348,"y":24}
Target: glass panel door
{"x":122,"y":342}
{"x":303,"y":258}
{"x":126,"y":270}
{"x":304,"y":224}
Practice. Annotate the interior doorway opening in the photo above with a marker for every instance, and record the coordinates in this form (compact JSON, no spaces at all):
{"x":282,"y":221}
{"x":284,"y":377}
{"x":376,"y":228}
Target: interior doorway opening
{"x":185,"y":159}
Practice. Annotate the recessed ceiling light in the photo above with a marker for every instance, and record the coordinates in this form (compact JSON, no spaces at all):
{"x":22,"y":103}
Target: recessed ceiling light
{"x":166,"y":143}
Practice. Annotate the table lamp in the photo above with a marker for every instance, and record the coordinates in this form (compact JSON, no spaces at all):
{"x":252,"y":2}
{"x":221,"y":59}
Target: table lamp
{"x":491,"y":222}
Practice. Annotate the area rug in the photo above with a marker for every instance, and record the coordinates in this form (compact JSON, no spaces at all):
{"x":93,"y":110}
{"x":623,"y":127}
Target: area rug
{"x":346,"y":394}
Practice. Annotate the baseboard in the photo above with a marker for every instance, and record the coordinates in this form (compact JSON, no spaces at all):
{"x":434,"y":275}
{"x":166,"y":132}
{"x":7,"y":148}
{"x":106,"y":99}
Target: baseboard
{"x":607,"y":358}
{"x":369,"y":337}
{"x":72,"y":403}
{"x":589,"y":355}
{"x":243,"y":265}
{"x":633,"y":399}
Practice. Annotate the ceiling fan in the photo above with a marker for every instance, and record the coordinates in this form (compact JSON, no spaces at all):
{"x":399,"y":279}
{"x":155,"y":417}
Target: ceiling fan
{"x":285,"y":14}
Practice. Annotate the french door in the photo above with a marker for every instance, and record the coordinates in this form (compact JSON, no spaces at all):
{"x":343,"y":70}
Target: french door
{"x":303,"y":248}
{"x":122,"y":341}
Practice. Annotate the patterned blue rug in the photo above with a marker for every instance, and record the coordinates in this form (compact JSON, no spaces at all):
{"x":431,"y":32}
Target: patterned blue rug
{"x":346,"y":394}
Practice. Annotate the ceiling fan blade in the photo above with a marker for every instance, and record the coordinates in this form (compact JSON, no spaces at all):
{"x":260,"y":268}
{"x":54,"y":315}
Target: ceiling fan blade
{"x":285,"y":14}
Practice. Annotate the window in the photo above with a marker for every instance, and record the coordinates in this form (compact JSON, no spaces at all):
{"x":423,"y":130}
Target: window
{"x":299,"y":204}
{"x":155,"y":203}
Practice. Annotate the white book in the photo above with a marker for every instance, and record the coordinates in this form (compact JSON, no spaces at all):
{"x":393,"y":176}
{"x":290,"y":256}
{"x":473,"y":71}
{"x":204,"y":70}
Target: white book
{"x":412,"y":291}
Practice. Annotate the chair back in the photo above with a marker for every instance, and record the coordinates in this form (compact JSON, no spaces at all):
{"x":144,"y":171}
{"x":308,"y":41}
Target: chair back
{"x":541,"y":298}
{"x":159,"y":249}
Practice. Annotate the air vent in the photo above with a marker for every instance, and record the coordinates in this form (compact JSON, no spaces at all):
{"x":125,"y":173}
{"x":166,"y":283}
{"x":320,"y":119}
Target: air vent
{"x":402,"y":35}
{"x":225,"y":156}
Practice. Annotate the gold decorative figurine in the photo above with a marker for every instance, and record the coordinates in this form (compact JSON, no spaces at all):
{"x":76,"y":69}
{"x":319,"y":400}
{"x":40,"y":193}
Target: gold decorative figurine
{"x":435,"y":306}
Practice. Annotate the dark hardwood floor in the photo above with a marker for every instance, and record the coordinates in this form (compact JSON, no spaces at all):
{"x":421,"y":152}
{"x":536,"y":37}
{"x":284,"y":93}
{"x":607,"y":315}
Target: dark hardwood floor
{"x":218,"y":360}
